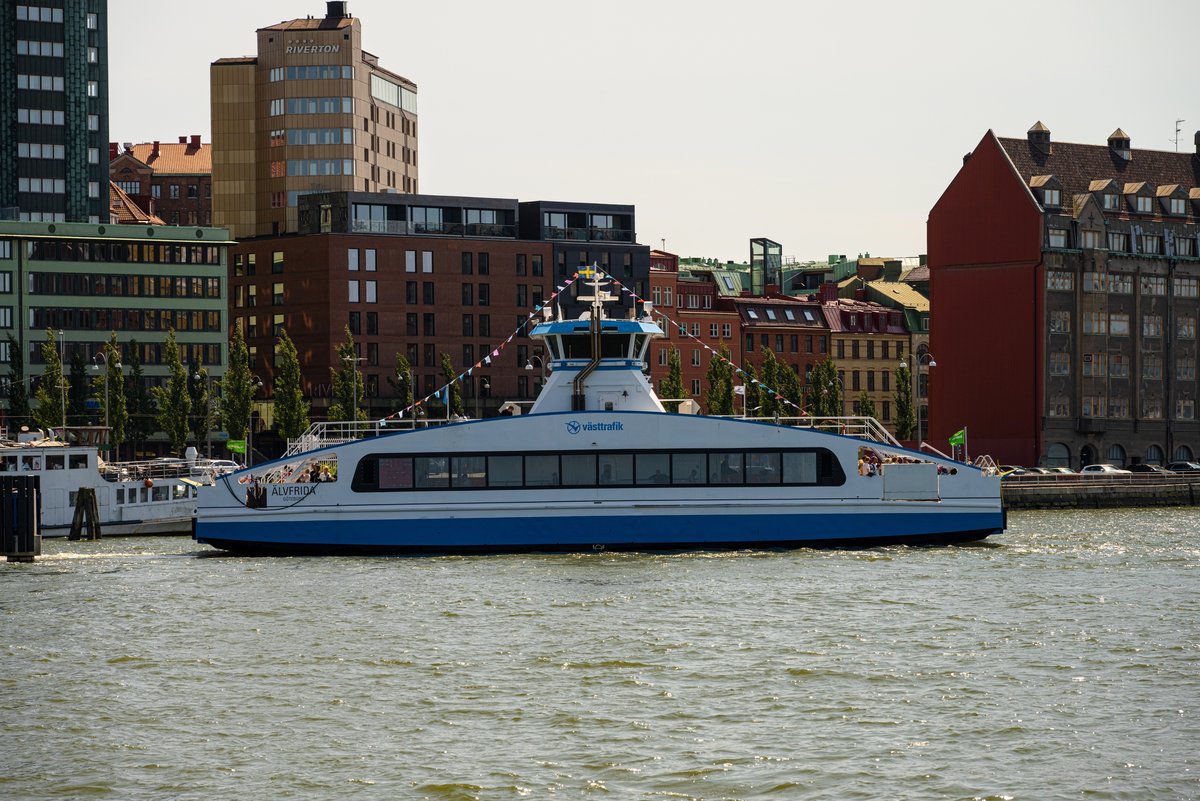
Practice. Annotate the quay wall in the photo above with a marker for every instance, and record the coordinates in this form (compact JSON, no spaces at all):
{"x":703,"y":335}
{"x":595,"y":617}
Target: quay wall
{"x":1087,"y":492}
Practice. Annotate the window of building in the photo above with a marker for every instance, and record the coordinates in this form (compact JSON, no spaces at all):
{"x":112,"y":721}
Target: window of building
{"x":1145,"y":204}
{"x":427,"y":293}
{"x":1112,"y":201}
{"x":1095,"y":365}
{"x":1060,"y":363}
{"x":1185,"y":246}
{"x":1118,"y":242}
{"x":1185,"y":327}
{"x":1060,"y":281}
{"x":1059,"y":406}
{"x":428,"y":324}
{"x":1092,"y":406}
{"x":1152,"y":325}
{"x":276,"y":325}
{"x":695,"y":357}
{"x":1091,"y":239}
{"x":1052,"y":197}
{"x":1152,"y":366}
{"x":1060,"y":322}
{"x":1118,"y":324}
{"x":1185,"y":368}
{"x":1095,"y":282}
{"x":1153,"y":285}
{"x":371,"y":292}
{"x":1185,"y":409}
{"x":352,"y":291}
{"x":1118,"y":365}
{"x":1178,"y":206}
{"x":1184,"y":287}
{"x":1152,"y":244}
{"x":1058,"y":237}
{"x":426,"y":261}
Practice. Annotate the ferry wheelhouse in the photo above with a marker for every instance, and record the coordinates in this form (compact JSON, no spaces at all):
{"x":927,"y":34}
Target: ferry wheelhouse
{"x":598,"y":464}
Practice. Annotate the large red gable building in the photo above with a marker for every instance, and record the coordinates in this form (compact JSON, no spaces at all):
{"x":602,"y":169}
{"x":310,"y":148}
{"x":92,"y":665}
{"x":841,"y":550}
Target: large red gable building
{"x":1063,"y":282}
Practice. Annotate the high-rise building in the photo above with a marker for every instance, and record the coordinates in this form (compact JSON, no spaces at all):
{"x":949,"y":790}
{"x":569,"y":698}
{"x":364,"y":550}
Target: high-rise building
{"x":54,"y":111}
{"x":312,"y":112}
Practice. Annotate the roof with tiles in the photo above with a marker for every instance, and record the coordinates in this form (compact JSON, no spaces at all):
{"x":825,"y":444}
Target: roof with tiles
{"x":175,"y":158}
{"x":311,"y":24}
{"x":125,"y":212}
{"x":897,"y":294}
{"x":1078,"y":166}
{"x":862,"y":316}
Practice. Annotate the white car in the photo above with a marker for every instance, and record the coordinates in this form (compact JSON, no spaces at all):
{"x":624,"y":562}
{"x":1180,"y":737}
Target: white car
{"x":1103,"y":470}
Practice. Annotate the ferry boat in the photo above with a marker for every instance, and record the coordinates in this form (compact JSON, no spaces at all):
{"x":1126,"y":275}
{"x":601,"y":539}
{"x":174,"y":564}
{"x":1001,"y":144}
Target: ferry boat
{"x":598,"y":464}
{"x":133,"y":498}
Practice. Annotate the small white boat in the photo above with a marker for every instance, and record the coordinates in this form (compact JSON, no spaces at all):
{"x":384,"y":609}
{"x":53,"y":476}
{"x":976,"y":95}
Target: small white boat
{"x":133,"y":498}
{"x":598,"y":464}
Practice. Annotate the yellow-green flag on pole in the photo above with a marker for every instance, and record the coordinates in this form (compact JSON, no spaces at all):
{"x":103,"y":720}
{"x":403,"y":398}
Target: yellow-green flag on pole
{"x":960,"y":438}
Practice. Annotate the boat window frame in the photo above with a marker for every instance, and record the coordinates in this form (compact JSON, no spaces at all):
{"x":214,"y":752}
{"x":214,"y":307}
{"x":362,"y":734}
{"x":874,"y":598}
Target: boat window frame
{"x":748,"y":471}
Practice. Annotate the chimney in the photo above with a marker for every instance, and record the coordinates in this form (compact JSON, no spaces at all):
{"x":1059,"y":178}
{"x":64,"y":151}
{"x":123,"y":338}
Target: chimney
{"x":966,"y":158}
{"x":1118,"y":141}
{"x":113,"y":150}
{"x":183,"y":140}
{"x":154,"y":150}
{"x":829,"y":292}
{"x":128,"y":146}
{"x":1198,"y":143}
{"x":335,"y":9}
{"x":195,"y":141}
{"x":1039,"y":137}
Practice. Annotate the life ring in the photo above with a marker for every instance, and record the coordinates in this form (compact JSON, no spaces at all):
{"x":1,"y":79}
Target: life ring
{"x":149,"y":482}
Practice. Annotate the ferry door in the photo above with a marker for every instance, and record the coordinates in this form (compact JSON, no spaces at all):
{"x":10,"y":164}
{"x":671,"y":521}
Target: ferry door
{"x":56,"y":499}
{"x":610,"y":401}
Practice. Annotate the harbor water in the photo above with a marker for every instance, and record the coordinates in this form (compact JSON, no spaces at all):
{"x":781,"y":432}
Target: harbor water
{"x":1060,"y":660}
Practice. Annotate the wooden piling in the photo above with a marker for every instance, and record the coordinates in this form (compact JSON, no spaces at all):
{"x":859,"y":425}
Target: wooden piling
{"x":87,"y":514}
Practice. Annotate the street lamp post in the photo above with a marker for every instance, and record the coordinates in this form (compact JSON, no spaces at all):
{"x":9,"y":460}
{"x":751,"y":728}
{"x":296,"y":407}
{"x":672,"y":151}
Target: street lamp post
{"x":62,"y":376}
{"x":481,"y":388}
{"x":103,"y":357}
{"x":207,"y":411}
{"x":923,"y":357}
{"x":353,"y":362}
{"x":255,"y":385}
{"x":541,"y":365}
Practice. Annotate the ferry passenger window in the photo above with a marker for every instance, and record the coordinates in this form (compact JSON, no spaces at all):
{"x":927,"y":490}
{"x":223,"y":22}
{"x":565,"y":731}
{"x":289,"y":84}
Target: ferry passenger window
{"x":504,"y":471}
{"x":800,"y":468}
{"x":31,"y":463}
{"x":431,"y":472}
{"x":762,"y":468}
{"x":160,"y":493}
{"x":579,"y":469}
{"x":725,"y":468}
{"x":616,"y":468}
{"x":120,"y":496}
{"x":79,"y":461}
{"x":653,"y":468}
{"x":468,"y":471}
{"x":58,"y":462}
{"x":395,"y":472}
{"x":541,"y":471}
{"x":9,"y":465}
{"x":687,"y":468}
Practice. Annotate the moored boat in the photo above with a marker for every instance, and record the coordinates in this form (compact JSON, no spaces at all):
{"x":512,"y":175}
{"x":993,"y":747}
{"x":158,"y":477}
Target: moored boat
{"x":598,"y":464}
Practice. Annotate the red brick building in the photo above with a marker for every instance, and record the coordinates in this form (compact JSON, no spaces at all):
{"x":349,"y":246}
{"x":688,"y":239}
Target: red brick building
{"x":172,"y":180}
{"x":1064,"y":288}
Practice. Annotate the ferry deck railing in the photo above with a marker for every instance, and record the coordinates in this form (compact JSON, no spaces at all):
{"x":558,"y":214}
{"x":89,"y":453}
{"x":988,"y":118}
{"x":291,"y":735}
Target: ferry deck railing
{"x":324,"y":435}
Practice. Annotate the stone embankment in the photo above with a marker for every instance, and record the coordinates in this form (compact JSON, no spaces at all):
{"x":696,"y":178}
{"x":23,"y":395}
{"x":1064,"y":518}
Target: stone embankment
{"x":1095,"y":492}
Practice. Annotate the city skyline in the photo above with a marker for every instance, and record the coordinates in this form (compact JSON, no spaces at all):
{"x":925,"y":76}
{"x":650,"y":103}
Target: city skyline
{"x":865,"y":109}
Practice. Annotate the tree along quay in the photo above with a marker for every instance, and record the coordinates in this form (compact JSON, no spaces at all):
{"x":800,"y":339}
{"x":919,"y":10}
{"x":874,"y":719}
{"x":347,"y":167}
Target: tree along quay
{"x":1095,"y":492}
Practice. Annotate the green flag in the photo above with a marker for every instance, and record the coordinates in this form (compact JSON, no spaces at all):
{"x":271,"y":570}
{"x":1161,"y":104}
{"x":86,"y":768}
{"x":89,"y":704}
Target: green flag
{"x":960,"y":438}
{"x":236,"y":445}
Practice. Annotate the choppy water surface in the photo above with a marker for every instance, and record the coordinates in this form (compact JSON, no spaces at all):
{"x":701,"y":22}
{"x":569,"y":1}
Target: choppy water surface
{"x":1058,"y":661}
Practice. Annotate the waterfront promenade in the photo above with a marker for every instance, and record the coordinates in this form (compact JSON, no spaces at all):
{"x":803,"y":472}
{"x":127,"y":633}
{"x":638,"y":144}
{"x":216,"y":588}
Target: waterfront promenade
{"x":1099,"y":492}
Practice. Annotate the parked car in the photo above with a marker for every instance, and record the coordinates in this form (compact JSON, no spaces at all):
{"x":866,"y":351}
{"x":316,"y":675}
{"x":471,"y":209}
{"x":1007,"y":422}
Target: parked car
{"x":1060,"y":471}
{"x":1010,"y":470}
{"x":1039,"y":471}
{"x":214,"y":467}
{"x":1103,"y":470}
{"x":1183,"y":467}
{"x":1150,"y":468}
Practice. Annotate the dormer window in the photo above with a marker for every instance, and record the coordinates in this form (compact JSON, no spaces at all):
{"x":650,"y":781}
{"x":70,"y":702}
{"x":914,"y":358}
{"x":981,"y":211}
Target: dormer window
{"x":1051,"y":197}
{"x":1058,"y":237}
{"x":1111,"y":201}
{"x":1145,"y":204}
{"x":1178,"y":206}
{"x":770,"y":314}
{"x":751,"y":313}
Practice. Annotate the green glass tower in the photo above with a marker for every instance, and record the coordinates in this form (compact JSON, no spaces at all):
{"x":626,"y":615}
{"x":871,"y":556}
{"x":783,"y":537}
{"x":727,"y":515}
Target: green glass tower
{"x":54,"y":111}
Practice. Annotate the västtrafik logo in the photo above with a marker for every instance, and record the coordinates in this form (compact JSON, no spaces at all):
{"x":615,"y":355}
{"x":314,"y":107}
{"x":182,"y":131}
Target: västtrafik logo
{"x":575,"y":427}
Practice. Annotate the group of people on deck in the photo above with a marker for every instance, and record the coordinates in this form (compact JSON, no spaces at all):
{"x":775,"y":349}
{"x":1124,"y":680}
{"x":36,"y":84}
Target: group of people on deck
{"x":871,"y":462}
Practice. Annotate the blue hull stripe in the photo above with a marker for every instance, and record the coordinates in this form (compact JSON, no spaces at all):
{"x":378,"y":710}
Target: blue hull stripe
{"x":649,"y":532}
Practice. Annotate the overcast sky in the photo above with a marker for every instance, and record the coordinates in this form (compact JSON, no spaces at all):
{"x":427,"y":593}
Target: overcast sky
{"x":830,"y":127}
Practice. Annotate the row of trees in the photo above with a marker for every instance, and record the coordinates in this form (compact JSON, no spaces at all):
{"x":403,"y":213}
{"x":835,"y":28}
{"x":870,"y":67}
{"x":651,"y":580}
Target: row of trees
{"x":824,"y":398}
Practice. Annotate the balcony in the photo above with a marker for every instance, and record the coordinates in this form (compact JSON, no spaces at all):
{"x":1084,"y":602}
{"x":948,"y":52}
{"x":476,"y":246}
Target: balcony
{"x":402,"y":227}
{"x":589,"y":234}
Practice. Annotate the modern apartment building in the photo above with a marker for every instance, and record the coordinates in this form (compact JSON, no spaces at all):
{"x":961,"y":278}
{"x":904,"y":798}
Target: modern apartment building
{"x":312,"y":112}
{"x":54,"y":111}
{"x":419,"y":276}
{"x":86,"y":281}
{"x":1064,"y":292}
